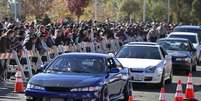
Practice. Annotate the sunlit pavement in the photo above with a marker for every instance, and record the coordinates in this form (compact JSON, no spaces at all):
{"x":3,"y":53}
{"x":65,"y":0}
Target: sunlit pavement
{"x":141,"y":92}
{"x":151,"y":92}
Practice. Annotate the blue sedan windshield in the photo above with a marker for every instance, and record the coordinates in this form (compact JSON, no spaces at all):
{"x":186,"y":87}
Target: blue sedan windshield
{"x":78,"y":64}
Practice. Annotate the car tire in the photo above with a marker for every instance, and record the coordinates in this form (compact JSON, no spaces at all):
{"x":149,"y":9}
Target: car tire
{"x":194,"y":68}
{"x":104,"y":95}
{"x":169,"y":81}
{"x":34,"y":99}
{"x":162,"y":82}
{"x":126,"y":92}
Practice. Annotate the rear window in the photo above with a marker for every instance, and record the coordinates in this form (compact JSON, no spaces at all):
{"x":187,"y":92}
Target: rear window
{"x":193,"y":30}
{"x":191,"y":38}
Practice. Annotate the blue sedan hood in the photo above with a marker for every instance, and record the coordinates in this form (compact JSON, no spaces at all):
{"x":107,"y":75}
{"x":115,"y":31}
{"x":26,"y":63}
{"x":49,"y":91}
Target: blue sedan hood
{"x":179,"y":53}
{"x":66,"y":79}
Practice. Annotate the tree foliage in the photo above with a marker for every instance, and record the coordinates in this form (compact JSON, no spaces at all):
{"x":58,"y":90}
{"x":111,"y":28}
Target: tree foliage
{"x":185,"y":11}
{"x":4,"y":11}
{"x":35,"y":7}
{"x":76,"y":7}
{"x":130,"y":7}
{"x":196,"y":7}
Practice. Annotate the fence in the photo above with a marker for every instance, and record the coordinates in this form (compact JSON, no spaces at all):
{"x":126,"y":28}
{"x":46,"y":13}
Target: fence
{"x":30,"y":61}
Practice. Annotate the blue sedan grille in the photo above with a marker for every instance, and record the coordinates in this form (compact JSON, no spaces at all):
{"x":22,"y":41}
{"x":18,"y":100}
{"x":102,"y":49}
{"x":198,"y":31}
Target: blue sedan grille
{"x":58,"y":89}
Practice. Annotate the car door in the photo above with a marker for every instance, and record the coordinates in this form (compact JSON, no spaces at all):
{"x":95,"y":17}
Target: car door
{"x":168,"y":62}
{"x":194,"y":54}
{"x":124,"y":72}
{"x":114,"y":82}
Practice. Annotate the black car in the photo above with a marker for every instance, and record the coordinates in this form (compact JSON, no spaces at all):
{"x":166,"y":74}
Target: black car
{"x":80,"y":77}
{"x":182,"y":51}
{"x":192,"y":29}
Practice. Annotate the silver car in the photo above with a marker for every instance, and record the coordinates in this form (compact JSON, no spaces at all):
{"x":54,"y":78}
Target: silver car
{"x":147,"y":62}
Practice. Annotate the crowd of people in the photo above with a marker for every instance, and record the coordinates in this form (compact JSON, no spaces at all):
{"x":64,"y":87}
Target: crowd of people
{"x":44,"y":34}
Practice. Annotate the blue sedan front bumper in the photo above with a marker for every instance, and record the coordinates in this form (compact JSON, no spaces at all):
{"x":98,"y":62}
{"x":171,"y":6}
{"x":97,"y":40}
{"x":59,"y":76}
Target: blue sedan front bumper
{"x":40,"y":94}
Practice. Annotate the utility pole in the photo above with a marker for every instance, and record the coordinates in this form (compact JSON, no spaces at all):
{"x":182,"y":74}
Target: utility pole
{"x":93,"y":26}
{"x":13,"y":6}
{"x":95,"y":9}
{"x":15,"y":9}
{"x":144,"y":10}
{"x":168,"y":11}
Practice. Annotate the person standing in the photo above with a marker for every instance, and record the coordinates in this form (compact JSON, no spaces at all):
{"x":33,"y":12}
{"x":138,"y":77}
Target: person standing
{"x":5,"y":43}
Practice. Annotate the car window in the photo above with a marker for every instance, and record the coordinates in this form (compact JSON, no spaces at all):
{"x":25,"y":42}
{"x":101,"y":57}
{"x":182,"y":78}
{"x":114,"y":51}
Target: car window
{"x":118,"y":64}
{"x":191,"y":38}
{"x":177,"y":45}
{"x":193,"y":30}
{"x":141,"y":52}
{"x":111,"y":63}
{"x":78,"y":64}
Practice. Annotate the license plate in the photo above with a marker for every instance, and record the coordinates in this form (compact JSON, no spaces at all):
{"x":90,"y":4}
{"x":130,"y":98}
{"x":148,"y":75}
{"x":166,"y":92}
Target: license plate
{"x":137,"y":78}
{"x":56,"y":99}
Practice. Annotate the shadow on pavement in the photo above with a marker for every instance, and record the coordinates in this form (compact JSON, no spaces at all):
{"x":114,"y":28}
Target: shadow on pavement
{"x":183,"y":73}
{"x":6,"y":91}
{"x":169,"y":88}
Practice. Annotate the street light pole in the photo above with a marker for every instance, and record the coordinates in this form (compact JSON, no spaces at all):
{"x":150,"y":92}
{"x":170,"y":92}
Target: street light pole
{"x":93,"y":26}
{"x":15,"y":9}
{"x":95,"y":9}
{"x":144,"y":11}
{"x":168,"y":11}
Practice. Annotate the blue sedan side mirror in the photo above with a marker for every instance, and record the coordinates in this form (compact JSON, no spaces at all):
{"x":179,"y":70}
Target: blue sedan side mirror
{"x":114,"y":70}
{"x":42,"y":68}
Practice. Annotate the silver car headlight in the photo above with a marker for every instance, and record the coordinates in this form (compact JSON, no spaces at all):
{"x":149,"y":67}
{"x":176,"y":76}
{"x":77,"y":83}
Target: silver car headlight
{"x":96,"y":88}
{"x":150,"y":69}
{"x":31,"y":86}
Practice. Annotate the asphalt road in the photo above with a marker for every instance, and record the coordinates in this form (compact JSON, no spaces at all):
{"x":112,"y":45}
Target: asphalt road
{"x":142,"y":92}
{"x":151,"y":93}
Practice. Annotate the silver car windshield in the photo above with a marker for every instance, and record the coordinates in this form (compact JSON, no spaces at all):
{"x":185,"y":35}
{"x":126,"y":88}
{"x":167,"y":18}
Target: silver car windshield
{"x":141,"y":52}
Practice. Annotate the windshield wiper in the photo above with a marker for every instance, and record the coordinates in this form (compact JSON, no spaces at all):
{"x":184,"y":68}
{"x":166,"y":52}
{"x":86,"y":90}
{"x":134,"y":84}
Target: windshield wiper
{"x":81,"y":71}
{"x":54,"y":69}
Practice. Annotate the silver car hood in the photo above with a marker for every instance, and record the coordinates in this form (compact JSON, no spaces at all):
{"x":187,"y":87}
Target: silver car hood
{"x":138,"y":63}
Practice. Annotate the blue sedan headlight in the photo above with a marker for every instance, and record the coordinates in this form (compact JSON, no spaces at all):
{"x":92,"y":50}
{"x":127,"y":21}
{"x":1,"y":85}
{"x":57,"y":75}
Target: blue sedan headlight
{"x":31,"y":86}
{"x":188,"y":59}
{"x":150,"y":69}
{"x":96,"y":88}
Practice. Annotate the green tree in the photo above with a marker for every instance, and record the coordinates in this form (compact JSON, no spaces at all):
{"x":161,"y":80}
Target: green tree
{"x":180,"y":11}
{"x":196,"y":7}
{"x":77,"y":7}
{"x":35,"y":8}
{"x":4,"y":11}
{"x":130,"y":7}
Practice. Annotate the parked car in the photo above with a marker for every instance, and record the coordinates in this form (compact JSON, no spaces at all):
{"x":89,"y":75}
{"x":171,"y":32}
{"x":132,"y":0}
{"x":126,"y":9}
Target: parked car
{"x":193,"y":37}
{"x":188,"y":28}
{"x":80,"y":77}
{"x":182,"y":51}
{"x":147,"y":62}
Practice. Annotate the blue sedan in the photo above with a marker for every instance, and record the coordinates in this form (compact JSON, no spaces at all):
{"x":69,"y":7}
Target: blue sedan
{"x":80,"y":77}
